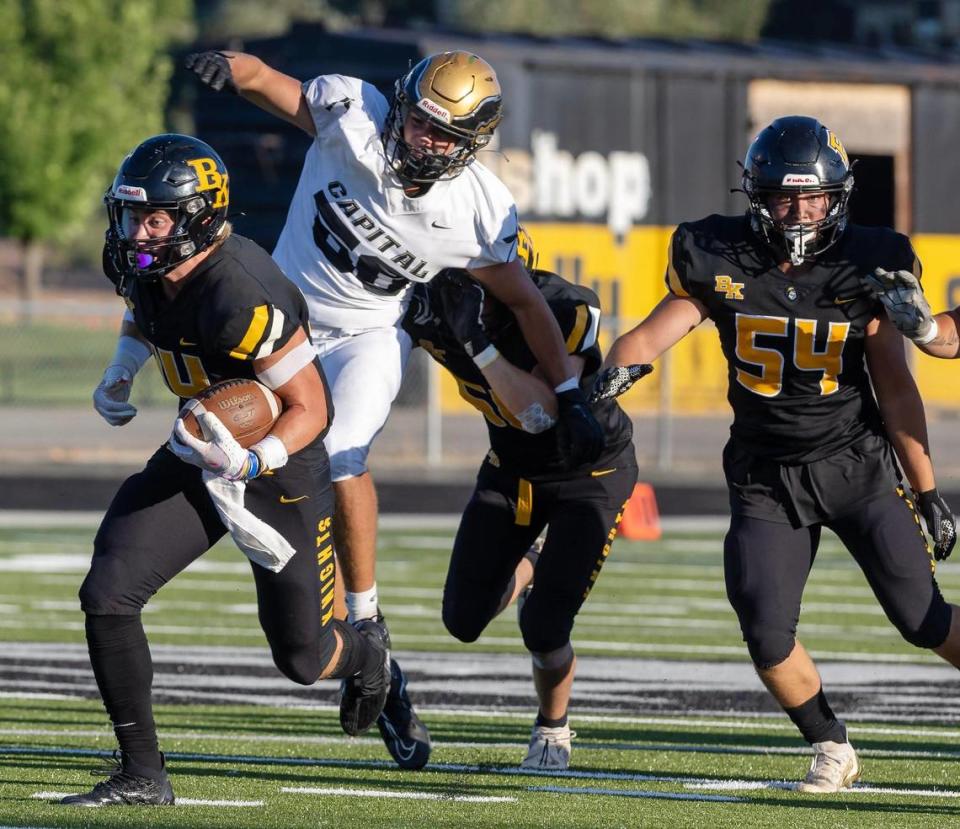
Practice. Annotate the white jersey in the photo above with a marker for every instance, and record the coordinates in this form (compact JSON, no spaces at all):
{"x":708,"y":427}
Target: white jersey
{"x":353,"y":242}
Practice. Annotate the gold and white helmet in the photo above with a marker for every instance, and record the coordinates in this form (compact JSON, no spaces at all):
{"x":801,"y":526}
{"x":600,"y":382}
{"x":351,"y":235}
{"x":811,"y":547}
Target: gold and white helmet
{"x":458,"y":92}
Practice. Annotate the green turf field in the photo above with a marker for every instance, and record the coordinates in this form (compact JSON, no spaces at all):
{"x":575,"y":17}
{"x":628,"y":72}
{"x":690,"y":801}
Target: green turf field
{"x":289,"y":766}
{"x":51,"y":364}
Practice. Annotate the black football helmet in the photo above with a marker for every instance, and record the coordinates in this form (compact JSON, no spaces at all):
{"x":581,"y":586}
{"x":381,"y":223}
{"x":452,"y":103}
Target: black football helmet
{"x":797,"y":154}
{"x":459,"y":94}
{"x":181,"y":175}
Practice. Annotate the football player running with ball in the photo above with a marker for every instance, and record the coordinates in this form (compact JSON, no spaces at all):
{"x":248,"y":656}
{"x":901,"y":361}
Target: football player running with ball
{"x":526,"y":483}
{"x":810,"y":445}
{"x":210,"y":306}
{"x":390,"y":194}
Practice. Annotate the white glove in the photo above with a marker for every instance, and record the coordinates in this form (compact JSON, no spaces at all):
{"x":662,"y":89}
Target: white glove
{"x":221,"y":455}
{"x":906,"y":306}
{"x":111,"y":396}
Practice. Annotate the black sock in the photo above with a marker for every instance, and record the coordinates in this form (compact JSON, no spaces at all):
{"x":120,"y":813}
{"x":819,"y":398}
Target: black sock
{"x":121,"y":662}
{"x":356,"y":655}
{"x":547,"y":723}
{"x":816,"y":720}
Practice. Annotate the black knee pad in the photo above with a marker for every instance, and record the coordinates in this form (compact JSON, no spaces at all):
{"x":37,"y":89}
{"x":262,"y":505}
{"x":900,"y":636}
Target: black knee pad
{"x":462,"y":623}
{"x":933,"y":629}
{"x":102,"y":594}
{"x":768,"y":648}
{"x":541,"y":632}
{"x":302,"y":663}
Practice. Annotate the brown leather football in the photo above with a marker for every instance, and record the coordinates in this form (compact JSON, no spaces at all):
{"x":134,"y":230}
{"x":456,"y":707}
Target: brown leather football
{"x":247,"y":408}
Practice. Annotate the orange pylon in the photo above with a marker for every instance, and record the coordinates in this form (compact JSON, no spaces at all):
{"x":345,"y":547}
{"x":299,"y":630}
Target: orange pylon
{"x":641,"y":519}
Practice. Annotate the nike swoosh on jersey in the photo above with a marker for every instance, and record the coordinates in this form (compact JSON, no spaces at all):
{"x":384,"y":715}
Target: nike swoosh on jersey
{"x":440,"y":226}
{"x":285,"y":500}
{"x":844,"y":300}
{"x":599,"y":473}
{"x":183,"y":342}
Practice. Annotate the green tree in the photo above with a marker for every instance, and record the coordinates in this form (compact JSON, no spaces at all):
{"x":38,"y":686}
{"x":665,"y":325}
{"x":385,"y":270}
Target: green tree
{"x":739,"y":20}
{"x":81,"y":83}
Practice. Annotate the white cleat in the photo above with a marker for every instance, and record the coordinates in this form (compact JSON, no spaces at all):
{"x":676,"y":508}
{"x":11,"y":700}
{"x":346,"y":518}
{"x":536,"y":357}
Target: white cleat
{"x":835,"y":766}
{"x":549,"y":748}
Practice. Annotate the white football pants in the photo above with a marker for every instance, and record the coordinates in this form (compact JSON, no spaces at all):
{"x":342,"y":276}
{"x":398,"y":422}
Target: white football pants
{"x":364,"y":370}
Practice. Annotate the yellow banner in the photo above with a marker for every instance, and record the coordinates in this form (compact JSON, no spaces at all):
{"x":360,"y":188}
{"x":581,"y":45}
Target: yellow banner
{"x":628,"y":278}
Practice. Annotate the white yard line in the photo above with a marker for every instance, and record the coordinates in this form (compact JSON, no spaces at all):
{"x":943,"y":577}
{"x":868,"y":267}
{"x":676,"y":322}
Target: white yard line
{"x":181,"y":801}
{"x":635,"y":793}
{"x":858,"y":788}
{"x":405,"y":795}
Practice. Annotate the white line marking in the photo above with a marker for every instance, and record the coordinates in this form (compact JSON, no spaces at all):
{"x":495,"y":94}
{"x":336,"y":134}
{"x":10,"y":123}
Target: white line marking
{"x":858,"y":788}
{"x":42,"y":519}
{"x":181,"y":801}
{"x":635,"y":793}
{"x":460,"y":798}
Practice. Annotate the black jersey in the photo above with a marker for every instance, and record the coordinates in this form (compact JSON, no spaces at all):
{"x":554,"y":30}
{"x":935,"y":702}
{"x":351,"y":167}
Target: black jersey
{"x":577,"y":311}
{"x":236,"y":307}
{"x":794,"y":343}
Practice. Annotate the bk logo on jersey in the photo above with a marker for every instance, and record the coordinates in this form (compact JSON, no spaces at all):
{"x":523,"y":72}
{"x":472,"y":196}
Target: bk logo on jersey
{"x":210,"y":178}
{"x":723,"y":284}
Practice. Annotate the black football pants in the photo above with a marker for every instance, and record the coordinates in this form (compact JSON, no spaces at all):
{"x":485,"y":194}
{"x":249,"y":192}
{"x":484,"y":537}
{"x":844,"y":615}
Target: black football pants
{"x":162,"y":519}
{"x":766,"y":565}
{"x":505,"y":515}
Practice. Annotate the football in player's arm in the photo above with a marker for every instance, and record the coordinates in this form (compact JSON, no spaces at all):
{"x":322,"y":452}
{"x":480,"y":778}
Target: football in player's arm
{"x":810,"y":445}
{"x":527,"y":483}
{"x":210,"y":306}
{"x":391,"y":192}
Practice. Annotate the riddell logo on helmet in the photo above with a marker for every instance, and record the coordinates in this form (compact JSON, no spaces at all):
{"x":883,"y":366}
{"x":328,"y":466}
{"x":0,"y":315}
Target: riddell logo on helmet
{"x":128,"y":192}
{"x":434,"y":109}
{"x":800,"y":179}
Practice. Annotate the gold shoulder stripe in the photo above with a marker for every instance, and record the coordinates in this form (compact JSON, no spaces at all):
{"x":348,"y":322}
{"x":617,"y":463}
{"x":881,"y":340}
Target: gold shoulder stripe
{"x":579,"y":326}
{"x":254,"y":333}
{"x":673,"y":281}
{"x":917,"y":267}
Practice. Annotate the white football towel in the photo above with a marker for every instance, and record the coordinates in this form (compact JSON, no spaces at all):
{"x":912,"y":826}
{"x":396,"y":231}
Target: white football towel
{"x":257,"y":540}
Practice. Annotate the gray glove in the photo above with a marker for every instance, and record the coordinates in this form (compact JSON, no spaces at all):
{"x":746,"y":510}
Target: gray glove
{"x":614,"y":381}
{"x":111,"y":397}
{"x":906,"y":306}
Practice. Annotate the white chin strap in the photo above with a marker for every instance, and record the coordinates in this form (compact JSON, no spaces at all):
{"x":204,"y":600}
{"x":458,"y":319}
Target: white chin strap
{"x":797,"y":242}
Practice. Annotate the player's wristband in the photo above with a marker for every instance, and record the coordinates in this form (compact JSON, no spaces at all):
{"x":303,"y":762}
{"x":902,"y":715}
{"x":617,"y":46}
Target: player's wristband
{"x":567,"y":385}
{"x":131,"y":354}
{"x":485,"y":357}
{"x":253,"y":469}
{"x":931,"y":335}
{"x":270,"y":453}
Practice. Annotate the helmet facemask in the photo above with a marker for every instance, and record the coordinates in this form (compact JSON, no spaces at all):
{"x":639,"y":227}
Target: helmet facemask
{"x":468,"y":118}
{"x":800,"y":241}
{"x":149,"y":258}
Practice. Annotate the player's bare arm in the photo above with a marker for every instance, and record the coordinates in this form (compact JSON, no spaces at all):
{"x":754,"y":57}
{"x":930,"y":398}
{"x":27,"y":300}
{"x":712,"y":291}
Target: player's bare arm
{"x":946,"y":344}
{"x":519,"y":389}
{"x":304,"y":414}
{"x":259,"y":83}
{"x":900,"y":402}
{"x":673,"y":318}
{"x":510,"y":284}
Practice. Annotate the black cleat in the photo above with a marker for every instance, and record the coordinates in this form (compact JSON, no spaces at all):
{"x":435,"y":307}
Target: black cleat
{"x":127,"y":785}
{"x":404,"y":734}
{"x":362,"y":696}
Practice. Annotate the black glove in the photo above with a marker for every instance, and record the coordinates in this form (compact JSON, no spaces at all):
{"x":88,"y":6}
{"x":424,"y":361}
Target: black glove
{"x":941,"y":524}
{"x":461,"y":301}
{"x":213,"y":69}
{"x":614,"y":381}
{"x":580,"y":438}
